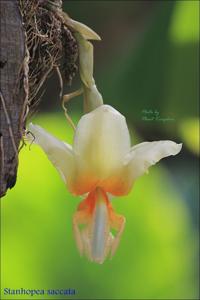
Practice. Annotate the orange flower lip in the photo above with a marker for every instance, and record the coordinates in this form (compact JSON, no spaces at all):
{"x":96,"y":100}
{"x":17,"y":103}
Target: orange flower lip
{"x":95,"y":239}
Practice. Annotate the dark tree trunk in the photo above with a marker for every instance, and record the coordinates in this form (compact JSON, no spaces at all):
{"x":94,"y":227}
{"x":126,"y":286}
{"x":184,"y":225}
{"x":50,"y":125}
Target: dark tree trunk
{"x":12,"y":92}
{"x":34,"y":41}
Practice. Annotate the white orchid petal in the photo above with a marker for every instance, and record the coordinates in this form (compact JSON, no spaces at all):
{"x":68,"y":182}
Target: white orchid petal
{"x":101,"y":141}
{"x":146,"y":154}
{"x":58,"y":152}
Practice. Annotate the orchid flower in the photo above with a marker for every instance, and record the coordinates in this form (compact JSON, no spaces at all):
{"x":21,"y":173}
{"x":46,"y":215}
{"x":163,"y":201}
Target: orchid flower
{"x":99,"y":163}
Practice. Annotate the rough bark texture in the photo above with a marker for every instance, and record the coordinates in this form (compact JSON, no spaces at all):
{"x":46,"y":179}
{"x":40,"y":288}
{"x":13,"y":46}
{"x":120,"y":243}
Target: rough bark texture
{"x":12,"y":95}
{"x":34,"y":42}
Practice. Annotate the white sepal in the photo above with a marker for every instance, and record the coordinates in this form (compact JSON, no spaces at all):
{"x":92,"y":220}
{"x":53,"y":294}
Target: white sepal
{"x":58,"y":152}
{"x":146,"y":154}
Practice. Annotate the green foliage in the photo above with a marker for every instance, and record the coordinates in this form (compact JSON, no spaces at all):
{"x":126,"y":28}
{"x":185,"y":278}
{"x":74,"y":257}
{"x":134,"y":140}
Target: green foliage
{"x":185,"y":24}
{"x":189,"y":131}
{"x":158,"y":70}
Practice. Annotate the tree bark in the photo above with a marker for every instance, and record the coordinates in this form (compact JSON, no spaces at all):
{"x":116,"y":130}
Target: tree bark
{"x":34,"y":41}
{"x":12,"y":91}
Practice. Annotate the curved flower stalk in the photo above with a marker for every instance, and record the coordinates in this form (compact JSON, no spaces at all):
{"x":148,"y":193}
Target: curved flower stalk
{"x":82,"y":33}
{"x":92,"y":97}
{"x":100,"y":162}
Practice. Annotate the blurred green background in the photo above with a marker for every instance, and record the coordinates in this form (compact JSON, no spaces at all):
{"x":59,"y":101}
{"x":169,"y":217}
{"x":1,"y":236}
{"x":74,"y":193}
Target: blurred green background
{"x":147,"y":61}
